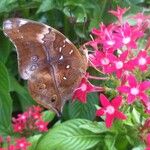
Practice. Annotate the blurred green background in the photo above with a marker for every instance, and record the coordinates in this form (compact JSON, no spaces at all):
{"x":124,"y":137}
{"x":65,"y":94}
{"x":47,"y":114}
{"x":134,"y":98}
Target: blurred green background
{"x":75,"y":19}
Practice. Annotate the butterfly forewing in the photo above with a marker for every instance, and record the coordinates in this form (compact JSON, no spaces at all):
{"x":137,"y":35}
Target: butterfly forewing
{"x":52,"y":65}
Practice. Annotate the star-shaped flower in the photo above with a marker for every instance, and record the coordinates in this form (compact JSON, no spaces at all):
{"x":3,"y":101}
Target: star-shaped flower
{"x":110,"y":109}
{"x":142,"y":60}
{"x":135,"y":89}
{"x":84,"y":88}
{"x":119,"y":12}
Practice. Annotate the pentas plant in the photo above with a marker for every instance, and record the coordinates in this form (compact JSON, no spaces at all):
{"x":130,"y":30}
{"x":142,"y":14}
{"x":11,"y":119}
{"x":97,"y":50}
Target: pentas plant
{"x":26,"y":124}
{"x":117,"y":54}
{"x":29,"y":122}
{"x":15,"y":144}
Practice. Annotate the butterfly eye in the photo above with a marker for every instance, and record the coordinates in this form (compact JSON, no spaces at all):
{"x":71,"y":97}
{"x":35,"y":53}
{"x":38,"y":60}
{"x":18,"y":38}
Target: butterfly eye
{"x":54,"y":98}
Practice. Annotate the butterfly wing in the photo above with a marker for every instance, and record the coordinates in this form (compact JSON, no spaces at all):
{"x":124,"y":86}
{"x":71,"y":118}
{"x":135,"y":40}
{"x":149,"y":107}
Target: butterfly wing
{"x":52,"y":65}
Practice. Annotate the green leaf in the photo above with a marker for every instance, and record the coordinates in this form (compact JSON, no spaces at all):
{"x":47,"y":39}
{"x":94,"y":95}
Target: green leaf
{"x":70,"y":136}
{"x":24,"y":96}
{"x":5,"y":101}
{"x":95,"y":127}
{"x":48,"y":115}
{"x":7,"y":5}
{"x":110,"y":142}
{"x":4,"y":78}
{"x":46,"y":5}
{"x":79,"y":110}
{"x":4,"y":48}
{"x":34,"y":140}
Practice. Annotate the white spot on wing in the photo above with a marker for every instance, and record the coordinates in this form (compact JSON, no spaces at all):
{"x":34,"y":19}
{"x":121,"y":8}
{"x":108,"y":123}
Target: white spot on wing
{"x":68,"y":66}
{"x":61,"y":57}
{"x":41,"y":35}
{"x":7,"y":25}
{"x":71,"y":52}
{"x":22,"y":22}
{"x":60,"y":49}
{"x":64,"y":78}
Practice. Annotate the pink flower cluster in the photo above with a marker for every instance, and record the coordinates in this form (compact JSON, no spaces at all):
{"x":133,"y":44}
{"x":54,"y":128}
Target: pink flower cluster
{"x":17,"y":144}
{"x":116,"y":52}
{"x":30,"y":121}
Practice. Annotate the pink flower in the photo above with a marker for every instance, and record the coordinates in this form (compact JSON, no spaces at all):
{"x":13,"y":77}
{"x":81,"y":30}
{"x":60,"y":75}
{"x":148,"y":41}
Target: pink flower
{"x":12,"y":147}
{"x":84,"y":88}
{"x":141,"y":18}
{"x":129,"y":35}
{"x":107,"y":37}
{"x":142,"y":60}
{"x":41,"y":125}
{"x":18,"y":127}
{"x":103,"y":60}
{"x":22,"y":144}
{"x":110,"y":109}
{"x":22,"y":117}
{"x":148,"y":142}
{"x":120,"y":64}
{"x":119,"y":13}
{"x":135,"y":89}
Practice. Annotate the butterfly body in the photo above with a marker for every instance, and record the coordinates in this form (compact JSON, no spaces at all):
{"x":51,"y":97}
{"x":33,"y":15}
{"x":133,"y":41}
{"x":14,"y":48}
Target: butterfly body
{"x":49,"y":61}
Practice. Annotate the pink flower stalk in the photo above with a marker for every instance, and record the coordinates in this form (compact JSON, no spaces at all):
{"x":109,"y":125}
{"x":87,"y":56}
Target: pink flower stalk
{"x":134,"y":89}
{"x":110,"y":110}
{"x":148,"y":142}
{"x":128,"y":35}
{"x":84,"y":88}
{"x":119,"y":13}
{"x":41,"y":125}
{"x":142,"y":60}
{"x":22,"y":144}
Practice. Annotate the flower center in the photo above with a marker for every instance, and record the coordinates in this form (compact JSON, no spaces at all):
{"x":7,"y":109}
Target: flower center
{"x":134,"y":91}
{"x":119,"y":64}
{"x":110,"y":110}
{"x":21,"y":145}
{"x":126,"y":40}
{"x":105,"y":61}
{"x":110,"y":42}
{"x":83,"y":87}
{"x":142,"y":61}
{"x":41,"y":126}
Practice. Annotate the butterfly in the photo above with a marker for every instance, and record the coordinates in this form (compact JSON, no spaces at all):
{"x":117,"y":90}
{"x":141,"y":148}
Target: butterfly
{"x":51,"y":64}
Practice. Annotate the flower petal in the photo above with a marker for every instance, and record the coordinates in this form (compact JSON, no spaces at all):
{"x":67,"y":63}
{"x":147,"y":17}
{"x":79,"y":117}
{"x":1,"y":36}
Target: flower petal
{"x":120,"y":115}
{"x":131,"y":98}
{"x":109,"y":120}
{"x":143,"y":97}
{"x":104,"y":101}
{"x":132,"y":81}
{"x":124,"y":89}
{"x":116,"y":102}
{"x":144,"y":85}
{"x":100,"y":112}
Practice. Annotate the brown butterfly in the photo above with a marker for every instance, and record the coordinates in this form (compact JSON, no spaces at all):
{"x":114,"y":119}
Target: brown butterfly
{"x":49,"y":61}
